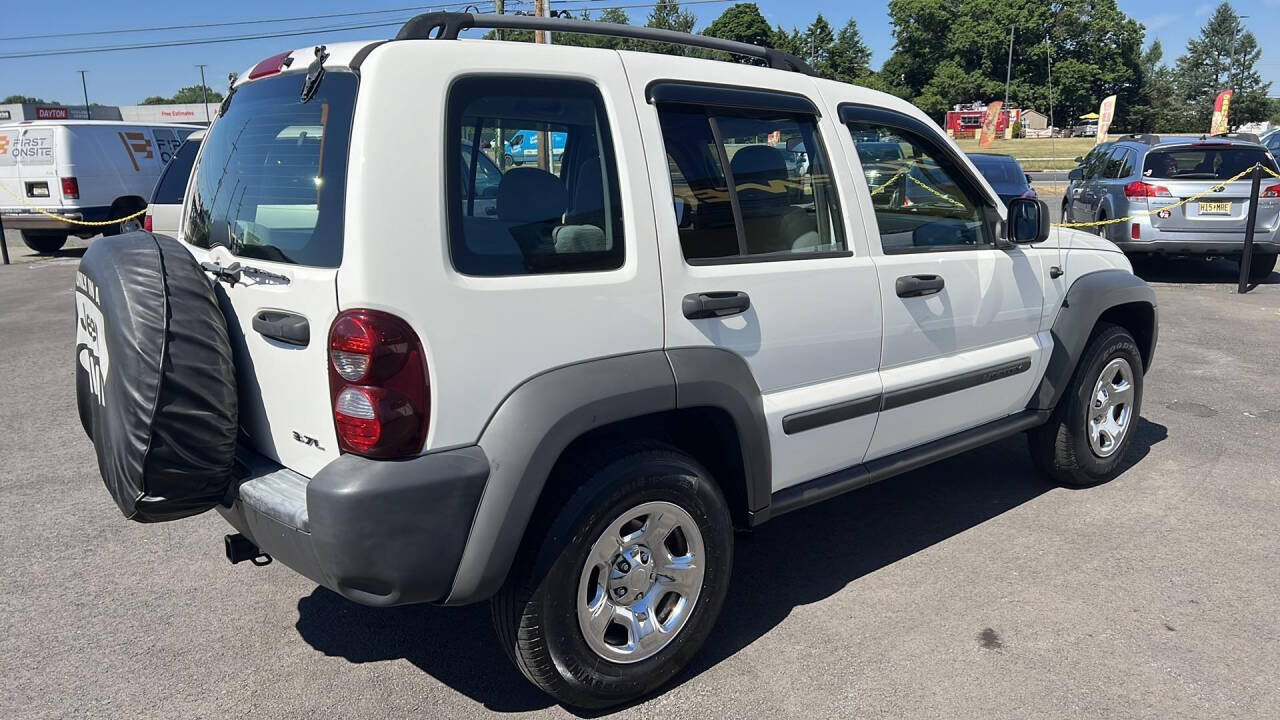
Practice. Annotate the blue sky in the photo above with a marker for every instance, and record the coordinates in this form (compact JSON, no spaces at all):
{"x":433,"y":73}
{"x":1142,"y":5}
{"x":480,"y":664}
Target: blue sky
{"x":123,"y":78}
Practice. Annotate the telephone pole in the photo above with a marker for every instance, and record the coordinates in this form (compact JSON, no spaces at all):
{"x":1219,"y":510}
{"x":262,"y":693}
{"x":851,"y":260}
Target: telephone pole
{"x":204,"y":93}
{"x":543,"y":37}
{"x":88,"y":111}
{"x":1008,"y":69}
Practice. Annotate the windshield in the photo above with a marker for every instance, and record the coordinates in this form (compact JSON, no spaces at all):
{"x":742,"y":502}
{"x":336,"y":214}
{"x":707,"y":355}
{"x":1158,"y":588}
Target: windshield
{"x":271,"y":180}
{"x":1221,"y":162}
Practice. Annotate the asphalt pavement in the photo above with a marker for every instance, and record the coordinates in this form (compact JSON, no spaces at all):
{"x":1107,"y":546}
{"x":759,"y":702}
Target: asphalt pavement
{"x":972,"y":588}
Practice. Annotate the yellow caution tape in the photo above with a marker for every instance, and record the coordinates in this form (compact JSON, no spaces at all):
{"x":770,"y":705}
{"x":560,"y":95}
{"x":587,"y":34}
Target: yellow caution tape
{"x":69,"y":221}
{"x":1148,"y":213}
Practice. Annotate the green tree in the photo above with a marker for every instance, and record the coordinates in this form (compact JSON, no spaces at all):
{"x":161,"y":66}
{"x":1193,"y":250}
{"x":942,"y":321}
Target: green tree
{"x":1158,"y":108}
{"x":188,"y":94}
{"x":1224,"y":56}
{"x":849,"y":59}
{"x":667,"y":15}
{"x":791,"y":41}
{"x":819,"y":40}
{"x":742,"y":22}
{"x":26,"y":100}
{"x":610,"y":15}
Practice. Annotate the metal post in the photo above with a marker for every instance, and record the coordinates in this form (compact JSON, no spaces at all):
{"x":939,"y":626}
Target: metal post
{"x":4,"y":246}
{"x":204,"y":95}
{"x":545,"y":156}
{"x":1008,"y":69}
{"x":1246,"y":257}
{"x":88,"y":111}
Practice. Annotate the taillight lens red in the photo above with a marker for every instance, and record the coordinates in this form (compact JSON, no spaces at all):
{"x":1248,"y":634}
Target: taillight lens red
{"x":378,"y":384}
{"x":146,"y":223}
{"x":1272,"y":191}
{"x":1139,"y":189}
{"x":70,"y":188}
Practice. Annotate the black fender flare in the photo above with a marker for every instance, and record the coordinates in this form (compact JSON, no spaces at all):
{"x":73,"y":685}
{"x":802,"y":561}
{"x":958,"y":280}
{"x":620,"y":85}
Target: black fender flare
{"x":539,"y":419}
{"x":1089,"y":298}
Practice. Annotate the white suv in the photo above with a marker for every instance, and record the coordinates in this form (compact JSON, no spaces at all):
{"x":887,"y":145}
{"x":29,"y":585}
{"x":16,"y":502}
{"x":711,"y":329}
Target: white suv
{"x":564,"y":385}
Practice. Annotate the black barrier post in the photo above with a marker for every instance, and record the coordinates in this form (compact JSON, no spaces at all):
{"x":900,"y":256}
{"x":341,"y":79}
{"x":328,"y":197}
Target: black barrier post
{"x":4,"y":246}
{"x":1246,"y":257}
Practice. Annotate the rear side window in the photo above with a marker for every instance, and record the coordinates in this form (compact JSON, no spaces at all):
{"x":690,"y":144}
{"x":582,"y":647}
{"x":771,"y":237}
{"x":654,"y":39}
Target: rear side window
{"x":1120,"y":164}
{"x":173,"y":183}
{"x":749,"y":184}
{"x":533,"y":185}
{"x":271,"y":182}
{"x":1204,"y":163}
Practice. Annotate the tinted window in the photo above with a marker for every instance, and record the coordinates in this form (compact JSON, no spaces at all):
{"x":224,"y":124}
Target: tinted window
{"x":173,"y":183}
{"x":923,"y":200}
{"x":1213,"y":163}
{"x":1095,"y":163}
{"x":1002,"y":173}
{"x":1119,"y":163}
{"x":271,"y":180}
{"x":749,"y":183}
{"x":556,"y":211}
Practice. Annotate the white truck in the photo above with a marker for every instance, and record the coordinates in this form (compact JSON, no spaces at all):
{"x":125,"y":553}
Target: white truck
{"x":413,"y":376}
{"x":57,"y":173}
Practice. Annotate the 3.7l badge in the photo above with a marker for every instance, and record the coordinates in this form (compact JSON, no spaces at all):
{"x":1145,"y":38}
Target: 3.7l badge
{"x":307,"y":440}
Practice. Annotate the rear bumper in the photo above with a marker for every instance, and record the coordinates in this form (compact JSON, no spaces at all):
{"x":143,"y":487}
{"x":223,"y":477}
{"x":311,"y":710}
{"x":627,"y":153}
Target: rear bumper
{"x":25,"y":219}
{"x":1153,"y":240}
{"x":376,"y":532}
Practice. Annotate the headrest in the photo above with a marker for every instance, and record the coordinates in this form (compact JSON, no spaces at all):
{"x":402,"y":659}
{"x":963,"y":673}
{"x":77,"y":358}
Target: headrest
{"x":758,"y":164}
{"x":528,"y":195}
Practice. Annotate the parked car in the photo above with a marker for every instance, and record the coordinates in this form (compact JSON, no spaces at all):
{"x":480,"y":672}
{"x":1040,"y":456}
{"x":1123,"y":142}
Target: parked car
{"x":567,"y":405}
{"x":1272,"y":142}
{"x":522,"y":147}
{"x":164,"y":211}
{"x":89,"y":170}
{"x":1146,"y":178}
{"x":1005,"y":175}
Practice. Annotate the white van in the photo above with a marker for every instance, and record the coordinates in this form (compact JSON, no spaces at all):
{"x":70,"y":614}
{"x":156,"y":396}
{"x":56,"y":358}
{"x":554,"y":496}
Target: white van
{"x":81,"y":170}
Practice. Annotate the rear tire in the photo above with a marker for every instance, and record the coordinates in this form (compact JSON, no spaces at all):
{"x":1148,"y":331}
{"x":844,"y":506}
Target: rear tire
{"x":1261,"y":266}
{"x":559,"y":616}
{"x":1090,"y":431}
{"x":44,"y":242}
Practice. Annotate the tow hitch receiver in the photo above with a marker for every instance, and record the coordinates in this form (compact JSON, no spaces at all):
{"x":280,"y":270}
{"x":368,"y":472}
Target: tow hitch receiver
{"x":241,"y":548}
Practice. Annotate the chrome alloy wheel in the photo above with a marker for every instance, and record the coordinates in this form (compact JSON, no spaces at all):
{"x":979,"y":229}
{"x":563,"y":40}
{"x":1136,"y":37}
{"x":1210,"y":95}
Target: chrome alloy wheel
{"x":1111,"y":407}
{"x":641,"y":582}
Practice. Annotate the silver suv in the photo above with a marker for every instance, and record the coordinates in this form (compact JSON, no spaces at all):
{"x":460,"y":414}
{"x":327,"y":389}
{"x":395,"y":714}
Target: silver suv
{"x":1147,"y":178}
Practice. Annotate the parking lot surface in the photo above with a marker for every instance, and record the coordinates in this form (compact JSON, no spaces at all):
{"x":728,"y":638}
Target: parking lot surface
{"x":971,"y":588}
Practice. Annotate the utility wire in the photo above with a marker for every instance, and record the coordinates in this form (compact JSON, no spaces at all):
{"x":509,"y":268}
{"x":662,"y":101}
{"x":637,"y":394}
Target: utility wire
{"x":289,"y":33}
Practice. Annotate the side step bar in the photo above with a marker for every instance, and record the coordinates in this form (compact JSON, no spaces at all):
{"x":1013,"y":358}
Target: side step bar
{"x":852,"y":478}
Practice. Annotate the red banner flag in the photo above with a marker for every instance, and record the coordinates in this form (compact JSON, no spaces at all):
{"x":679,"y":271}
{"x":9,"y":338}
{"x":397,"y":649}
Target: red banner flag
{"x":1221,"y":108}
{"x":989,"y":122}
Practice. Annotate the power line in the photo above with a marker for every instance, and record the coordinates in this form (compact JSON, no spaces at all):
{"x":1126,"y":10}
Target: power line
{"x":290,"y":33}
{"x":199,"y":26}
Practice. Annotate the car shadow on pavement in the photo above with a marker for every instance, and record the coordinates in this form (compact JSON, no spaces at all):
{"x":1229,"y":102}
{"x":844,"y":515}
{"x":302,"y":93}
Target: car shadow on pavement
{"x":1193,"y":270}
{"x":797,"y":559}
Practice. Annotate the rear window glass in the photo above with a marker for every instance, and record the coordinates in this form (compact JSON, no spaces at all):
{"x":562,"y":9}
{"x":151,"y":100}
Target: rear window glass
{"x":999,"y":171}
{"x":1221,"y":163}
{"x":272,"y":178}
{"x":173,"y":183}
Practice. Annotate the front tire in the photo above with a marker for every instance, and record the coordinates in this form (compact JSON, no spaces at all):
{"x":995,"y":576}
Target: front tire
{"x":1087,"y":436}
{"x":617,"y":592}
{"x":45,"y":242}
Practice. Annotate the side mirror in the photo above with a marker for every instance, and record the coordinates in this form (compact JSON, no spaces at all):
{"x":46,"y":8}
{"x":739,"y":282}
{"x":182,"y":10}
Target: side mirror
{"x":795,"y":145}
{"x":1079,"y":159}
{"x":1075,"y":174}
{"x":1028,"y":221}
{"x":1028,"y":177}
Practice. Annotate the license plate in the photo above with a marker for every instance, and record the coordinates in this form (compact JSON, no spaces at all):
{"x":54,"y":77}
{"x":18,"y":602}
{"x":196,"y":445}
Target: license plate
{"x":1215,"y":208}
{"x":37,"y":190}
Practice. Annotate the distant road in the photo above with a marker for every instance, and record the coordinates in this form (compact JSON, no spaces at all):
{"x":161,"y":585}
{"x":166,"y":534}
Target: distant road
{"x":1040,"y":176}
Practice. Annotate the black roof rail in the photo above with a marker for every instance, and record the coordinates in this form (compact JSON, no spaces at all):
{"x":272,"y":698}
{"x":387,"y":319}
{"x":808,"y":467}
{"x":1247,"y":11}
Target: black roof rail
{"x":1247,"y":137}
{"x":447,"y":25}
{"x":1144,"y":138}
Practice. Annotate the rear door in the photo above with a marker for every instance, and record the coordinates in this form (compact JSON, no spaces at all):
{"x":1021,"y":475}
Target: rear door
{"x":1206,"y":168}
{"x":28,"y":167}
{"x":269,"y":195}
{"x":749,"y":215}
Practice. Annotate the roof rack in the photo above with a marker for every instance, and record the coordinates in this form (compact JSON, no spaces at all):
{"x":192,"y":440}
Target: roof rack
{"x":1247,"y":137}
{"x":447,"y":25}
{"x":1144,"y":138}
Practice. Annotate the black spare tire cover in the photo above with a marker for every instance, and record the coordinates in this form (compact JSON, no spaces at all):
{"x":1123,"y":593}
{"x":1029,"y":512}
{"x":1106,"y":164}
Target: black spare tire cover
{"x":155,"y":383}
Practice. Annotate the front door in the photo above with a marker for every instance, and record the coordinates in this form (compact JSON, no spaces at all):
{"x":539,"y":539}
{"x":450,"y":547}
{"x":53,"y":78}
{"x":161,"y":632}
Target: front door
{"x":758,"y":256}
{"x":961,"y":309}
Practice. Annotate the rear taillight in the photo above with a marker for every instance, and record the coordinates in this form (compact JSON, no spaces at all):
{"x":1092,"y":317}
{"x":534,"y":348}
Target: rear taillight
{"x":378,"y":385}
{"x":1135,"y":232}
{"x":1271,"y":191}
{"x":146,"y":223}
{"x":70,"y":188}
{"x":1139,"y":189}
